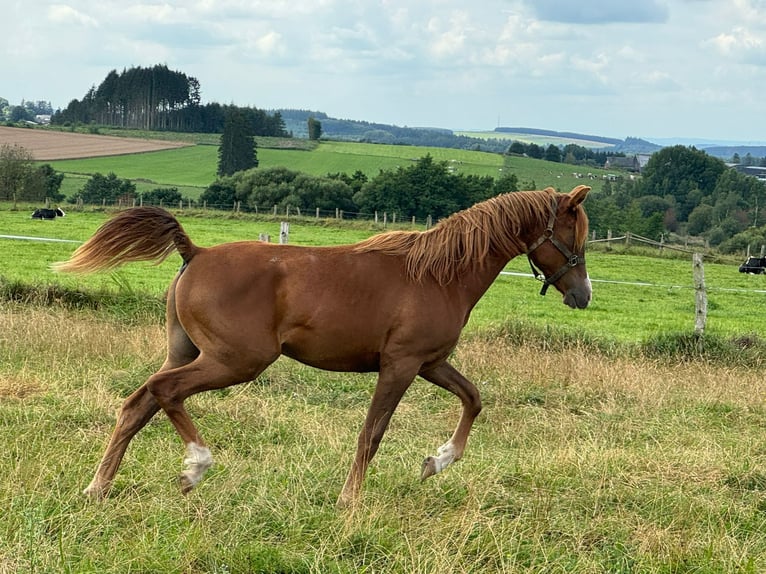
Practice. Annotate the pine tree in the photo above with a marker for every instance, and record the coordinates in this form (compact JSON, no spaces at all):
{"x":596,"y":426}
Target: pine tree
{"x":237,"y":150}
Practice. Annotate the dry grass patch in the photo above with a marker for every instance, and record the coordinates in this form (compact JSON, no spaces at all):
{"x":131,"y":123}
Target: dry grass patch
{"x":579,"y":463}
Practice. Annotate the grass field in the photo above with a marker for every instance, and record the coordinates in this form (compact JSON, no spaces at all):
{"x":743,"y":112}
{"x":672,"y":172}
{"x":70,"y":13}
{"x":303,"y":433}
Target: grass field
{"x":193,"y":168}
{"x":637,"y":297}
{"x":593,"y":453}
{"x":585,"y":459}
{"x":579,"y":463}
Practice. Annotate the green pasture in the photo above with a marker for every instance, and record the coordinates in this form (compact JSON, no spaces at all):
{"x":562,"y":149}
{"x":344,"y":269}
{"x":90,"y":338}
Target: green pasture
{"x":193,"y":168}
{"x":196,"y":165}
{"x":637,"y":297}
{"x":581,"y":461}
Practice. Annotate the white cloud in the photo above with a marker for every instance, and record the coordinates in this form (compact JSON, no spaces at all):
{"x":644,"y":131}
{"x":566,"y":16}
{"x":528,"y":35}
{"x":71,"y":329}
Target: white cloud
{"x":64,"y":14}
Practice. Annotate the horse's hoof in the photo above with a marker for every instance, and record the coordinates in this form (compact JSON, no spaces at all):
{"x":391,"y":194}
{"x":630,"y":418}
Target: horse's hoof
{"x":185,"y":484}
{"x":95,"y":493}
{"x":428,"y":468}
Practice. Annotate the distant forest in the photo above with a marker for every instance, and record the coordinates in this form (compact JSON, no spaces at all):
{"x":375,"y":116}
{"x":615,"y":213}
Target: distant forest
{"x":158,"y":98}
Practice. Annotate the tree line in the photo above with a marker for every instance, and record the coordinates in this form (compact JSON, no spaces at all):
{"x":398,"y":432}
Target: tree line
{"x":424,"y":189}
{"x":685,"y":191}
{"x":158,"y":98}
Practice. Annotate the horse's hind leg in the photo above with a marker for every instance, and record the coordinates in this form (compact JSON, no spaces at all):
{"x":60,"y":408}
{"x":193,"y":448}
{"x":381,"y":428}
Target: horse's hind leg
{"x":447,"y":377}
{"x":140,"y":407}
{"x":170,"y":388}
{"x":136,"y":411}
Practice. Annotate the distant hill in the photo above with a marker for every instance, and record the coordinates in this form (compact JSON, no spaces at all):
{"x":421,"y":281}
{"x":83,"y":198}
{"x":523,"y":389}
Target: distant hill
{"x":562,"y":135}
{"x":627,"y":146}
{"x":498,"y":140}
{"x":726,"y":152}
{"x":296,"y":122}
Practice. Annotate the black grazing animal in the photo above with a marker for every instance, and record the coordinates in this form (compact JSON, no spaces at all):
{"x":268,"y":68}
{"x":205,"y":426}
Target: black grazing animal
{"x":43,"y":213}
{"x":756,"y":265}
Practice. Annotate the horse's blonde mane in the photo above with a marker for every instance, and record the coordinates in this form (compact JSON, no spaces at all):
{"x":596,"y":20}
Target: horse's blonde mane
{"x":463,"y":240}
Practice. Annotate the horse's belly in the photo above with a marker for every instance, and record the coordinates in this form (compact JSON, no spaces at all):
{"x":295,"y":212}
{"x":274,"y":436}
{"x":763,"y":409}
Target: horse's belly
{"x":358,"y":361}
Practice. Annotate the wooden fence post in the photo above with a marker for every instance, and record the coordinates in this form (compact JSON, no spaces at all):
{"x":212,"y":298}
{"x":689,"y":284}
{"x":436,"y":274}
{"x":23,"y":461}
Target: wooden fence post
{"x":284,"y":232}
{"x":700,"y":294}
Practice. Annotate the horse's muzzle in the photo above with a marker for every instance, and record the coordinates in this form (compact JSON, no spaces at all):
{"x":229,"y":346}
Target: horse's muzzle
{"x":578,"y":298}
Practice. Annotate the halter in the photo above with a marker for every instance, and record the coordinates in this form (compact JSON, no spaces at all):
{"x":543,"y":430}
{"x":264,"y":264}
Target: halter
{"x":573,"y":260}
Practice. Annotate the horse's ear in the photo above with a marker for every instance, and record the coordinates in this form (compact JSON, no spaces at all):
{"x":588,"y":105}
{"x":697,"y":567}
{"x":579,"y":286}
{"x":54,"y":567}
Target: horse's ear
{"x":578,"y":194}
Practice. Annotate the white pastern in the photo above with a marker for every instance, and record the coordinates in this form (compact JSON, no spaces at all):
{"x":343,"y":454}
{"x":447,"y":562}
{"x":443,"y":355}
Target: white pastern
{"x":445,"y":456}
{"x":198,"y":460}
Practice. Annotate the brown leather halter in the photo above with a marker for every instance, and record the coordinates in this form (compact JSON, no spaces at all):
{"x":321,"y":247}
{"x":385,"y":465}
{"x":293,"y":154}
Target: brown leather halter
{"x":573,"y":260}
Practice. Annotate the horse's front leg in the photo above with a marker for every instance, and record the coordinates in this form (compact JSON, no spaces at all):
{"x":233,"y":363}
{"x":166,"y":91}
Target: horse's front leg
{"x":393,"y":381}
{"x":447,"y":377}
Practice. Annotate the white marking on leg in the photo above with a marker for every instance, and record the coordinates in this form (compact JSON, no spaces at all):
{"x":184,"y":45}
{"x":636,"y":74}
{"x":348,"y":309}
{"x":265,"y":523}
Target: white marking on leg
{"x":198,"y":460}
{"x":445,"y":456}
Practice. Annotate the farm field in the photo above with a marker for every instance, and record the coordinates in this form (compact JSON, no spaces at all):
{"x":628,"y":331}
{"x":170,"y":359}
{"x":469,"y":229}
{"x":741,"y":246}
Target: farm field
{"x":191,"y":165}
{"x":541,"y":140}
{"x":196,"y":165}
{"x":585,"y":459}
{"x":637,"y":297}
{"x":46,"y":145}
{"x":589,"y":456}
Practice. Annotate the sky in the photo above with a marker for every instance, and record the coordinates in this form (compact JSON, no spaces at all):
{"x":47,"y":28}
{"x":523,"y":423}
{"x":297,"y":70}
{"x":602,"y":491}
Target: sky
{"x":654,"y":69}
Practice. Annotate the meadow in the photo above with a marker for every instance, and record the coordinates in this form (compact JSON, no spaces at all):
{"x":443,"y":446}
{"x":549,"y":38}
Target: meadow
{"x":584,"y":460}
{"x":638,"y":295}
{"x":581,"y":462}
{"x":193,"y":168}
{"x":605,"y":445}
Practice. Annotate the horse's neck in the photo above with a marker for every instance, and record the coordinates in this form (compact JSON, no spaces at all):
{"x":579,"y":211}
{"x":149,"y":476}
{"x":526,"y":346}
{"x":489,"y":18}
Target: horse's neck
{"x":475,"y":282}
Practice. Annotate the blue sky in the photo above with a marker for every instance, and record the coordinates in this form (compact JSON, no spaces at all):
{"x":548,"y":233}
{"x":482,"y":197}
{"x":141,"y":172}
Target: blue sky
{"x":643,"y":68}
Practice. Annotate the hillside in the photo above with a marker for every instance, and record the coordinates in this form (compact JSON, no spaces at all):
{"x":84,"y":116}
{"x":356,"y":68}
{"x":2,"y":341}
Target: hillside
{"x":498,"y":139}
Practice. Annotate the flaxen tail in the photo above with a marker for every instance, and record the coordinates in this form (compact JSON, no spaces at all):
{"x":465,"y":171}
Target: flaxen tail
{"x":138,"y":234}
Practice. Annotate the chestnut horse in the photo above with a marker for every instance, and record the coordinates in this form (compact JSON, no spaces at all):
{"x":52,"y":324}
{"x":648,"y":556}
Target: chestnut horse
{"x":394,"y":304}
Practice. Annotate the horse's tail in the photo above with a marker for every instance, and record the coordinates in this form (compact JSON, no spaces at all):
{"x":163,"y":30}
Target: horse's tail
{"x":138,"y":234}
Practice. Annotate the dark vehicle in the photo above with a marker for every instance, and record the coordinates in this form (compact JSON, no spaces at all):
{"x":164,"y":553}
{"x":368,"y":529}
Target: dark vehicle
{"x":756,"y":265}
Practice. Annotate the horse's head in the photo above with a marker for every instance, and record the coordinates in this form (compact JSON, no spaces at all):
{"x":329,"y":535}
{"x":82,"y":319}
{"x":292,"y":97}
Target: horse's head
{"x":559,"y":252}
